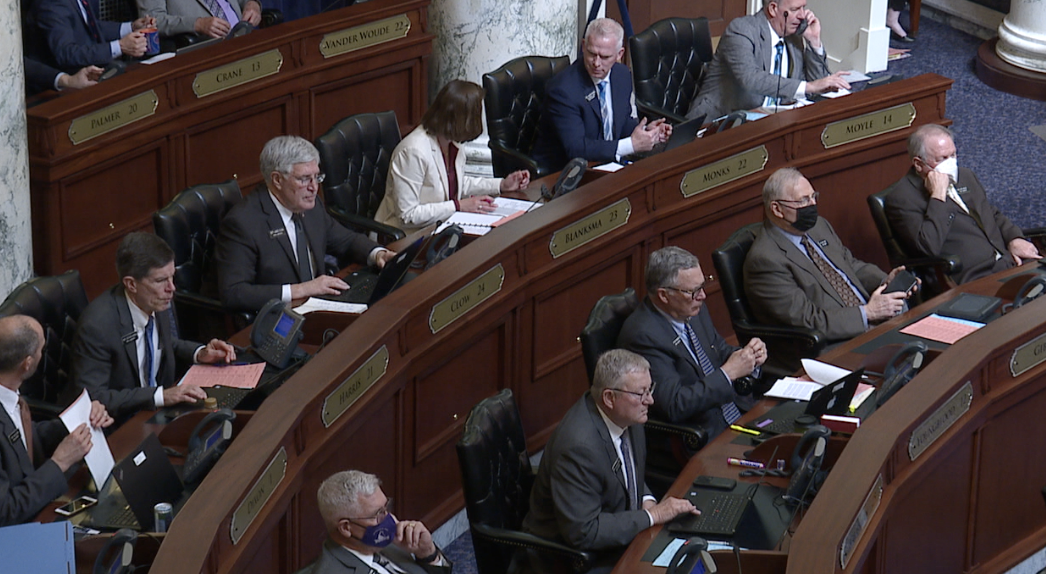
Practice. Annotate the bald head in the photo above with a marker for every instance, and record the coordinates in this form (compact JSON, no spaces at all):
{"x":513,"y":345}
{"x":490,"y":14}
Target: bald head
{"x":21,"y":339}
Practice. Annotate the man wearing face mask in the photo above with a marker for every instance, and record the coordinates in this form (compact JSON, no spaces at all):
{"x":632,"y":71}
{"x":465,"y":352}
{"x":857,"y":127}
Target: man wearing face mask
{"x":799,"y":273}
{"x":939,"y":208}
{"x":364,"y":536}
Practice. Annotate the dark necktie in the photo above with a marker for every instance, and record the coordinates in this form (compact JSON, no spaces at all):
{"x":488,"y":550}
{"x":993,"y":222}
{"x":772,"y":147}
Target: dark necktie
{"x":304,"y":266}
{"x":778,"y":60}
{"x":383,"y":561}
{"x":835,"y":279}
{"x":92,"y":23}
{"x":729,"y":409}
{"x":27,"y":426}
{"x":150,"y":379}
{"x":604,"y":110}
{"x":630,"y":476}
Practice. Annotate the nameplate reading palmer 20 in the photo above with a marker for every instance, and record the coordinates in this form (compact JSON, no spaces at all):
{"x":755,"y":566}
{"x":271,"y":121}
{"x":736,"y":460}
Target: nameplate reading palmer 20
{"x":258,"y":495}
{"x":237,"y":73}
{"x":723,"y":171}
{"x":592,"y":227}
{"x":365,"y":36}
{"x":868,"y":125}
{"x":465,"y":299}
{"x":352,"y":388}
{"x":113,"y":117}
{"x":1028,"y":355}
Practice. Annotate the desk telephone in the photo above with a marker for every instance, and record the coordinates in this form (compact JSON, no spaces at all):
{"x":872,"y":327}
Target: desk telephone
{"x":806,"y":465}
{"x":689,"y":555}
{"x":207,"y":442}
{"x":115,"y":557}
{"x":276,"y":334}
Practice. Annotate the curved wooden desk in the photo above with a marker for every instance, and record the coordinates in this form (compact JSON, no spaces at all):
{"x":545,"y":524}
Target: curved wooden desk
{"x":505,"y":312}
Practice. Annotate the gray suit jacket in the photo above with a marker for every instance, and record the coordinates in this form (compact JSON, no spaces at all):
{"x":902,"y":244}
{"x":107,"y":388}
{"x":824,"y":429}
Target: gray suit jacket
{"x":930,"y":228}
{"x":24,"y":490}
{"x":335,"y":559}
{"x":741,"y":73}
{"x":784,"y":287}
{"x":179,"y":16}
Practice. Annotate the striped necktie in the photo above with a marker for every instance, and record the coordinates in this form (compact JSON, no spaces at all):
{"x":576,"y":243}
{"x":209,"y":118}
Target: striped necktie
{"x":835,"y":279}
{"x":730,"y":410}
{"x":604,"y":110}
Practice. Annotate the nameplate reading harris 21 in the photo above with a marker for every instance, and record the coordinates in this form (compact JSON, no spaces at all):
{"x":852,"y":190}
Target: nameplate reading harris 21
{"x":237,"y":73}
{"x":365,"y":36}
{"x":868,"y":125}
{"x":353,"y":387}
{"x":113,"y":117}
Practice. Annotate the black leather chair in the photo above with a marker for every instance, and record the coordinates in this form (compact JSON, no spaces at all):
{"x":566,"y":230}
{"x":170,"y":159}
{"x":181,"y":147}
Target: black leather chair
{"x":669,"y":445}
{"x":785,"y":345}
{"x":190,"y":224}
{"x":355,"y":155}
{"x":497,"y":478}
{"x":668,"y":66}
{"x":515,"y":100}
{"x":56,"y":302}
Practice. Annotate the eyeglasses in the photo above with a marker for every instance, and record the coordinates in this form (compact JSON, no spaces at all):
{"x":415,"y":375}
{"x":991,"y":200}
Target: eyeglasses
{"x":647,"y":393}
{"x":379,"y":515}
{"x":692,"y":293}
{"x":804,"y":201}
{"x":305,"y":180}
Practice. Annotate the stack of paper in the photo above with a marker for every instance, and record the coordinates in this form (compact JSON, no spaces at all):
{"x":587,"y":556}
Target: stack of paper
{"x":820,"y":374}
{"x":505,"y":209}
{"x":36,"y":547}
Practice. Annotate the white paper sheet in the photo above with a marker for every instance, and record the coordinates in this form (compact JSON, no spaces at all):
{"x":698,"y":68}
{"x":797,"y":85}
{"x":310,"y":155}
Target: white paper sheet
{"x":316,"y":304}
{"x":99,"y":459}
{"x":823,"y":372}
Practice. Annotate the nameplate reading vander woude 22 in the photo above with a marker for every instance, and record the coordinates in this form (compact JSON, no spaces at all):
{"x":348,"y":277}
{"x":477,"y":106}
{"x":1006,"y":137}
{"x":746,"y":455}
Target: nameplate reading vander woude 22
{"x":868,"y":125}
{"x":237,"y":73}
{"x":723,"y":171}
{"x":352,"y":388}
{"x":365,"y":36}
{"x":113,"y":117}
{"x":591,"y":227}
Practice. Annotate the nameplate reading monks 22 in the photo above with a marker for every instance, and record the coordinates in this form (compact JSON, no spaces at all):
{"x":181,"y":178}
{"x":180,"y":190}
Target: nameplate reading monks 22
{"x":466,"y":299}
{"x":365,"y":36}
{"x":353,"y":387}
{"x":237,"y":73}
{"x":592,"y":227}
{"x":258,"y":495}
{"x":868,"y":125}
{"x":113,"y":117}
{"x":1028,"y":355}
{"x":723,"y":171}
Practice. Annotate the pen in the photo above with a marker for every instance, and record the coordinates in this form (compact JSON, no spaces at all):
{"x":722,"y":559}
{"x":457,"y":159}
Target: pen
{"x":745,"y":463}
{"x":740,"y":428}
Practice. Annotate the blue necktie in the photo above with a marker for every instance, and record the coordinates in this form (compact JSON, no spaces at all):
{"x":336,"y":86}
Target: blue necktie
{"x":604,"y":110}
{"x":150,"y":379}
{"x":730,"y":412}
{"x":778,"y":60}
{"x":630,"y":477}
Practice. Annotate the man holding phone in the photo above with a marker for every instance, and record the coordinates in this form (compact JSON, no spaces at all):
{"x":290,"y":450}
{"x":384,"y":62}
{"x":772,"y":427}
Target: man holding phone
{"x":773,"y":57}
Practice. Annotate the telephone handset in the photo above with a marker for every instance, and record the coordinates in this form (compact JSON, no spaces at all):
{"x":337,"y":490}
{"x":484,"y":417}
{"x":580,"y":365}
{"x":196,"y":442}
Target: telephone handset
{"x":689,"y":554}
{"x":806,"y":466}
{"x":568,"y":180}
{"x":115,"y":556}
{"x":802,"y":27}
{"x":443,"y":245}
{"x":207,"y":443}
{"x":276,"y":333}
{"x":900,"y":369}
{"x":1030,"y":291}
{"x":813,"y":433}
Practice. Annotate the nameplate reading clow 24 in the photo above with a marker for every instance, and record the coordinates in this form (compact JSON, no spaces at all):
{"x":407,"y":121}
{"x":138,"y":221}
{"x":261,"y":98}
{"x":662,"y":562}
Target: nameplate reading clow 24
{"x":868,"y":125}
{"x":258,"y":495}
{"x":113,"y":117}
{"x":465,"y":299}
{"x":592,"y":227}
{"x":365,"y":36}
{"x":237,"y":73}
{"x":723,"y":171}
{"x":352,"y":388}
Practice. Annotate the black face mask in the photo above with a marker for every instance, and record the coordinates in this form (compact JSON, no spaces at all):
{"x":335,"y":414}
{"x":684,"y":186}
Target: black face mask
{"x":805,"y":218}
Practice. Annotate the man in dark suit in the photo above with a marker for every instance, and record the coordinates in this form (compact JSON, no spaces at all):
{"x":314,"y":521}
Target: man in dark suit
{"x":590,"y":111}
{"x":939,"y":208}
{"x":364,"y":536}
{"x":76,"y":37}
{"x":29,"y":480}
{"x":259,"y":253}
{"x":40,"y":77}
{"x":753,"y":68}
{"x":693,"y":365}
{"x":799,"y":273}
{"x":125,"y":352}
{"x":589,"y":492}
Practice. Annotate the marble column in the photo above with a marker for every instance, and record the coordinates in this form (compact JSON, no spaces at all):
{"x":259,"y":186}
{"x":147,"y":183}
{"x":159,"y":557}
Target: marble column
{"x":474,"y":37}
{"x":1022,"y":35}
{"x":16,"y":246}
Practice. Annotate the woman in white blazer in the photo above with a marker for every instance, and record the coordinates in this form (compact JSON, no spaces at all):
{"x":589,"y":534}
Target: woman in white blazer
{"x":418,"y":191}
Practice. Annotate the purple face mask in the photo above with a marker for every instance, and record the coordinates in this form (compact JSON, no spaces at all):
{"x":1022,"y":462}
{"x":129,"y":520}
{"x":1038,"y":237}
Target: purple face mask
{"x":380,"y":535}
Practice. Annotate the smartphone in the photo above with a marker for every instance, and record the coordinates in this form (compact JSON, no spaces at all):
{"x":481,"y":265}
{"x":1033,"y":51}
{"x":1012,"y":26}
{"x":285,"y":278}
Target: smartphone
{"x":903,"y":282}
{"x":76,"y":506}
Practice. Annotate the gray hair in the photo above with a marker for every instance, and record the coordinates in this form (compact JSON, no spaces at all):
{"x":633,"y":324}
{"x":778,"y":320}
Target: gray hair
{"x":612,"y":367}
{"x":282,"y":152}
{"x":664,"y":265}
{"x":18,"y":340}
{"x":917,"y":141}
{"x":338,"y":497}
{"x":777,"y":183}
{"x":606,"y":28}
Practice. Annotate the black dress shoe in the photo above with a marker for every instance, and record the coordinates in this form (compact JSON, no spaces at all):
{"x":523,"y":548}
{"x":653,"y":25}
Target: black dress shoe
{"x":898,"y":38}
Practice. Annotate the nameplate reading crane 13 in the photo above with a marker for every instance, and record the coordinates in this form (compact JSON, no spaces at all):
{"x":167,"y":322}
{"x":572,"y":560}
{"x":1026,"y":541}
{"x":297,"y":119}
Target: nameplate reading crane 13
{"x":723,"y":171}
{"x":868,"y":125}
{"x":258,"y":495}
{"x":237,"y":73}
{"x":1028,"y":355}
{"x":352,"y":388}
{"x":465,"y":299}
{"x":592,"y":227}
{"x":940,"y":421}
{"x":365,"y":36}
{"x":113,"y":117}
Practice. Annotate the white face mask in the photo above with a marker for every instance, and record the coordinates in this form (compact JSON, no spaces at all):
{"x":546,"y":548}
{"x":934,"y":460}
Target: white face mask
{"x":949,"y":167}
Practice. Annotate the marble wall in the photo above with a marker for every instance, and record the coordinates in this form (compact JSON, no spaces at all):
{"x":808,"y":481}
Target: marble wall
{"x":16,"y":248}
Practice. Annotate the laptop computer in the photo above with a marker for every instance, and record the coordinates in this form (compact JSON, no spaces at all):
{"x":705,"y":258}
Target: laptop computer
{"x":721,"y":511}
{"x":831,"y":399}
{"x":369,"y":286}
{"x":684,"y":133}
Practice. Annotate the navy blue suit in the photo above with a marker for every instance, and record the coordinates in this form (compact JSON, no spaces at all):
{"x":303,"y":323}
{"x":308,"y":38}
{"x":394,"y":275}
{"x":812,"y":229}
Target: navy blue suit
{"x":68,"y":37}
{"x":572,"y":125}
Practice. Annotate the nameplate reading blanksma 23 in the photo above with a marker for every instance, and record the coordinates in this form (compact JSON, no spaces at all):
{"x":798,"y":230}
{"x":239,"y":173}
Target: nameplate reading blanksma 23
{"x":237,"y":73}
{"x":113,"y":117}
{"x":940,"y":421}
{"x":1028,"y":355}
{"x":465,"y":299}
{"x":352,"y":388}
{"x":258,"y":495}
{"x":723,"y":171}
{"x":868,"y":125}
{"x":592,"y":227}
{"x":365,"y":36}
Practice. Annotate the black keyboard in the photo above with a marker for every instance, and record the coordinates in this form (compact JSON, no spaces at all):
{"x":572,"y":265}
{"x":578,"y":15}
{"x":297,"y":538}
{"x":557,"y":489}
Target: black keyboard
{"x":720,"y":515}
{"x":361,"y":285}
{"x":784,"y":426}
{"x":231,"y":398}
{"x":112,"y":518}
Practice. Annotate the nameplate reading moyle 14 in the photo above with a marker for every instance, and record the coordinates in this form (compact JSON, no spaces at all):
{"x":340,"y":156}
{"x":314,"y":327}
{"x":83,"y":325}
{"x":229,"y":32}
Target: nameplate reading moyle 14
{"x":940,"y":421}
{"x":592,"y":227}
{"x":113,"y":117}
{"x":1028,"y":355}
{"x":465,"y":299}
{"x":723,"y":171}
{"x":237,"y":73}
{"x":365,"y":36}
{"x":868,"y":125}
{"x":258,"y":495}
{"x":857,"y":527}
{"x":353,"y":387}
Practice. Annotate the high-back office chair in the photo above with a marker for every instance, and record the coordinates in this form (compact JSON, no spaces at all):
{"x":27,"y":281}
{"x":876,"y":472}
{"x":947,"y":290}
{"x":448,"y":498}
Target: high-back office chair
{"x":515,"y":100}
{"x":57,"y":303}
{"x":355,"y":155}
{"x":669,"y":445}
{"x":189,"y":225}
{"x":668,"y":66}
{"x":497,"y":478}
{"x":785,"y":345}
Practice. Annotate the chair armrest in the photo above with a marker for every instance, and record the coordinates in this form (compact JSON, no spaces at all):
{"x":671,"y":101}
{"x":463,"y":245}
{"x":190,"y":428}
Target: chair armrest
{"x":386,"y":233}
{"x":517,"y":159}
{"x":807,"y":338}
{"x":42,"y":410}
{"x":948,"y":264}
{"x":1037,"y":235}
{"x":271,"y":17}
{"x":197,"y":301}
{"x":693,"y":438}
{"x":580,"y":561}
{"x":654,"y":113}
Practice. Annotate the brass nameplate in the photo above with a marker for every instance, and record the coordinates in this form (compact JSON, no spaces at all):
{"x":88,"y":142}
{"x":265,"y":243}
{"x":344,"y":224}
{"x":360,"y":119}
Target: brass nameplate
{"x":856,"y":531}
{"x":868,"y":125}
{"x":365,"y":36}
{"x":353,"y":387}
{"x":465,"y":299}
{"x":592,"y":227}
{"x":940,"y":421}
{"x":237,"y":73}
{"x":1028,"y":355}
{"x":723,"y":171}
{"x":113,"y":117}
{"x":258,"y":495}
